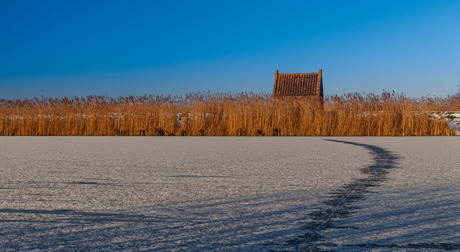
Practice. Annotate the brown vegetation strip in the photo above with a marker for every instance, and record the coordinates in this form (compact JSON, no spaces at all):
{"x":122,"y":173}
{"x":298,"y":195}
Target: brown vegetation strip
{"x":217,"y":114}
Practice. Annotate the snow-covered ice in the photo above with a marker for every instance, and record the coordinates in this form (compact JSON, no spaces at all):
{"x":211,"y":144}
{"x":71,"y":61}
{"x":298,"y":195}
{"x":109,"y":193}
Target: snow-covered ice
{"x":230,"y":193}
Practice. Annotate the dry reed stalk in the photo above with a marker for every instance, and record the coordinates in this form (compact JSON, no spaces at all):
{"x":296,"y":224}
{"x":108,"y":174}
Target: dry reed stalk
{"x":217,"y":114}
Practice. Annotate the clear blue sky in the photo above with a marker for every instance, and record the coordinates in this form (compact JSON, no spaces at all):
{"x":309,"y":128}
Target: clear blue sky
{"x":68,"y":48}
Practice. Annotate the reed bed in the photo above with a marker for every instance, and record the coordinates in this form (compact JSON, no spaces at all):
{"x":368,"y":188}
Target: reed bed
{"x":224,"y":114}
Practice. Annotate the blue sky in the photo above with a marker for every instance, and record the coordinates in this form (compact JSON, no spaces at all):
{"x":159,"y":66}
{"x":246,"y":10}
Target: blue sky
{"x":118,"y":48}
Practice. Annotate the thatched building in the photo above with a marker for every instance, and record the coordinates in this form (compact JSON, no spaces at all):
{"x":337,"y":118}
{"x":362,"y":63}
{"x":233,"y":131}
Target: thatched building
{"x":308,"y":85}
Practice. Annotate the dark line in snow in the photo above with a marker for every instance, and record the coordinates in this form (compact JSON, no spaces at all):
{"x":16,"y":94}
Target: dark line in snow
{"x":340,"y":203}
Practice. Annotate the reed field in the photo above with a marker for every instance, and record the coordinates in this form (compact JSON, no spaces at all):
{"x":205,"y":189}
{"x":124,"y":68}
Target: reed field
{"x":225,"y":114}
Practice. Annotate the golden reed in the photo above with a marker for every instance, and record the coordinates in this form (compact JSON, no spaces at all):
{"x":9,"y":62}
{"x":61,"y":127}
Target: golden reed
{"x":223,"y":114}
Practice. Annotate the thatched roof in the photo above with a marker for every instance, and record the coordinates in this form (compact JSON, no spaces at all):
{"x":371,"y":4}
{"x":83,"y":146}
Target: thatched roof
{"x":298,"y":84}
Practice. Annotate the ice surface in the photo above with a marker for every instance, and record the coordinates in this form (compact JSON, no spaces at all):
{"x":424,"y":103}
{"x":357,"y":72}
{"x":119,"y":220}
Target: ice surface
{"x":230,"y":193}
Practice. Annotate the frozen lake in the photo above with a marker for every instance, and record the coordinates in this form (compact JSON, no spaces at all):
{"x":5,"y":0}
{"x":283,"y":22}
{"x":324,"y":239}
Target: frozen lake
{"x":230,"y":193}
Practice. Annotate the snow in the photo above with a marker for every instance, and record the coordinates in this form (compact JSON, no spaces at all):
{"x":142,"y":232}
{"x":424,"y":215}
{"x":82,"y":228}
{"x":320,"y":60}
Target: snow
{"x":452,"y":118}
{"x":229,"y":193}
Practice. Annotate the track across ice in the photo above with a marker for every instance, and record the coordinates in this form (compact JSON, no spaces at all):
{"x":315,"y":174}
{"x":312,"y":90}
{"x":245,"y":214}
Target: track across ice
{"x":229,"y":193}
